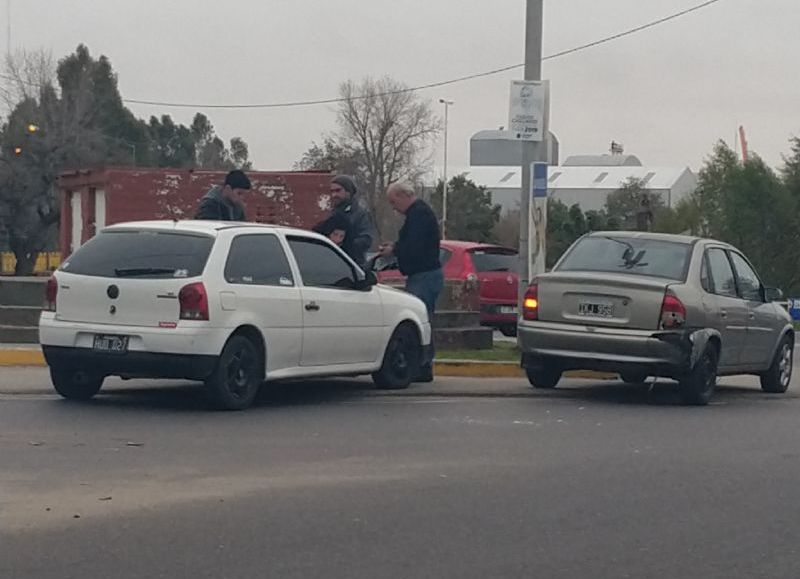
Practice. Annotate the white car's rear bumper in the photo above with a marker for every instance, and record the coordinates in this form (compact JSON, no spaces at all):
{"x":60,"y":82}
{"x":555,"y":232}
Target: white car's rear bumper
{"x":184,"y":339}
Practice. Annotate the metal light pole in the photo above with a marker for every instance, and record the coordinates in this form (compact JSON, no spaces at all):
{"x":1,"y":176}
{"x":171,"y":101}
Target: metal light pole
{"x":446,"y":104}
{"x":534,"y":16}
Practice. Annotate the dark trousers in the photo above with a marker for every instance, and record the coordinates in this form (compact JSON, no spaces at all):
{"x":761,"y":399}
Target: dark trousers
{"x":427,"y":286}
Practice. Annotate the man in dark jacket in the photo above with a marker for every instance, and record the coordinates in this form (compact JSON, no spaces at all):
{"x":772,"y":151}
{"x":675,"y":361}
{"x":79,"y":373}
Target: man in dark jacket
{"x":360,"y":233}
{"x":223,"y":202}
{"x":417,"y":253}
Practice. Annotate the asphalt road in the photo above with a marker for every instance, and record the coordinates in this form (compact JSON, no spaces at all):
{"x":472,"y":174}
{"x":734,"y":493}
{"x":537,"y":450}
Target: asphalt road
{"x":463,"y":479}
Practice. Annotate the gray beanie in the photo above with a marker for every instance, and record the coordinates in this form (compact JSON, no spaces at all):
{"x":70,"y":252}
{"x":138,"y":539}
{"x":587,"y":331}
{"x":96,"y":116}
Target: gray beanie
{"x":346,"y":183}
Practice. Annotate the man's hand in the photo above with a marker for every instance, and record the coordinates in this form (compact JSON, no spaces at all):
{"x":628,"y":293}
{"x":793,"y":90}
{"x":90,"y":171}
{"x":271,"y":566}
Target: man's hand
{"x":386,"y":249}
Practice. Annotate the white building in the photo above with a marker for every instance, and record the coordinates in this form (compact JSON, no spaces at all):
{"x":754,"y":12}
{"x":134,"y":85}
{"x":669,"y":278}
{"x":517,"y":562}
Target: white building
{"x":588,"y":186}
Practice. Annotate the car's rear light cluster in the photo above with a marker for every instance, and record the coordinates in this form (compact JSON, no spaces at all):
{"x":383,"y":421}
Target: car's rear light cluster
{"x":51,"y":294}
{"x":194,"y":302}
{"x":530,"y":303}
{"x":673,"y":312}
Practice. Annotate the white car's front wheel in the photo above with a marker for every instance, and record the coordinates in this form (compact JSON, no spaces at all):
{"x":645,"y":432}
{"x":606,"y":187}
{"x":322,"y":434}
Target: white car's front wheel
{"x":402,"y":360}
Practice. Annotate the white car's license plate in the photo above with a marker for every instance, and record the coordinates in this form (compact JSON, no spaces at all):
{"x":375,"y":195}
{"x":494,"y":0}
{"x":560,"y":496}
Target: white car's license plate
{"x":508,"y":310}
{"x":596,"y":310}
{"x":111,"y":344}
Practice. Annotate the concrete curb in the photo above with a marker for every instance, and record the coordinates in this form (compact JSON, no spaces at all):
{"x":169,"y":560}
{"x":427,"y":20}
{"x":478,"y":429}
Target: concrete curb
{"x":33,"y":357}
{"x":21,"y":357}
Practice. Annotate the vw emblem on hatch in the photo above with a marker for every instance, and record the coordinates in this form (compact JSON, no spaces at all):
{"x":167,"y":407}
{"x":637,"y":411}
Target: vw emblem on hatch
{"x":510,"y":280}
{"x":112,"y":292}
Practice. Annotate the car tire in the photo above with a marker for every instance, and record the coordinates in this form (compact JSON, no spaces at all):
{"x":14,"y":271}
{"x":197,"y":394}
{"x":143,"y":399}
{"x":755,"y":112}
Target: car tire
{"x":633,"y":377}
{"x":75,"y":384}
{"x":776,"y":380}
{"x":543,"y":378}
{"x":238,"y":376}
{"x":402,"y":360}
{"x":698,"y":386}
{"x":509,"y":331}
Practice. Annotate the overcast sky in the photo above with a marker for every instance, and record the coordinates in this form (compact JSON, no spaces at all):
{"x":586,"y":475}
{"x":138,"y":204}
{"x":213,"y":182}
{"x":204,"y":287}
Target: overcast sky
{"x":667,"y":93}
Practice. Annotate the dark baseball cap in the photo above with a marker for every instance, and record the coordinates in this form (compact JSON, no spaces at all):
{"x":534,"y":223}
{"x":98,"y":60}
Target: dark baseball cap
{"x":236,"y":179}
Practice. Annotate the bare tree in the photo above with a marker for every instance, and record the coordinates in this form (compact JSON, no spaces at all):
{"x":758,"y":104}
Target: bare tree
{"x":392,"y":128}
{"x":24,"y":75}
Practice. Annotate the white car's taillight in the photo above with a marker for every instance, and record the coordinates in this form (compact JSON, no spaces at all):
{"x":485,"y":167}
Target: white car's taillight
{"x":194,"y":302}
{"x":673,"y":312}
{"x":51,"y":294}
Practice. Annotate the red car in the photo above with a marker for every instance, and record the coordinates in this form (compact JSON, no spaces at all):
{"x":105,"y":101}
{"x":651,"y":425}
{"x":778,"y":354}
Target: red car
{"x":494,"y":266}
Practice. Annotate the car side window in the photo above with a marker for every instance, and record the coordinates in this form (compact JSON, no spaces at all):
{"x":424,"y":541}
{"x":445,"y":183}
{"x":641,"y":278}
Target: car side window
{"x":748,"y":282}
{"x":258,"y":260}
{"x":723,"y":281}
{"x":320,"y":265}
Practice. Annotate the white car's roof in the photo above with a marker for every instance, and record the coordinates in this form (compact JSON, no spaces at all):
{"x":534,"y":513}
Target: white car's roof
{"x":201,"y":226}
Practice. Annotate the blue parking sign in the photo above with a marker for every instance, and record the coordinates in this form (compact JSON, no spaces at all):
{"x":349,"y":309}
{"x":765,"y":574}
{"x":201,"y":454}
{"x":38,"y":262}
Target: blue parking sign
{"x":539,"y":179}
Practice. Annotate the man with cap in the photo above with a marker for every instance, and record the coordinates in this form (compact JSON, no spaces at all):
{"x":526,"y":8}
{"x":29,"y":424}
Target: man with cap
{"x":360,"y":233}
{"x":224,"y":202}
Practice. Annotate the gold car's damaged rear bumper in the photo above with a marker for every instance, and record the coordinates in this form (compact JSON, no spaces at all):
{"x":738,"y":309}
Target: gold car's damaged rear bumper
{"x":574,"y":347}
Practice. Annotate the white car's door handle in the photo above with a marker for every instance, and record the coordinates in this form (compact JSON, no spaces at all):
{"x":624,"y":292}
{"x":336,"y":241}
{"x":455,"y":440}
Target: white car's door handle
{"x":723,"y":313}
{"x":312,"y":307}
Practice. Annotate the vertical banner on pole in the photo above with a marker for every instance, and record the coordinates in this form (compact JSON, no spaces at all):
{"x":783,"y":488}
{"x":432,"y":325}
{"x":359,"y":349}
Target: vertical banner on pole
{"x":537,"y":218}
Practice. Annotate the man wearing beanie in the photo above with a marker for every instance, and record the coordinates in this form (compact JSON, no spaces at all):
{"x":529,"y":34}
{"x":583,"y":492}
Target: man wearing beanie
{"x":360,"y":233}
{"x":224,"y":202}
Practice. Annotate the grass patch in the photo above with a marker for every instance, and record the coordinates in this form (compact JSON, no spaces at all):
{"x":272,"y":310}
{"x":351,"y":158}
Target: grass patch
{"x":501,"y":352}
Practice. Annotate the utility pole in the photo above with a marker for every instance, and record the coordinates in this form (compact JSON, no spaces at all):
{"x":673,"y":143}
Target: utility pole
{"x":534,"y":24}
{"x":8,"y":28}
{"x":446,"y":104}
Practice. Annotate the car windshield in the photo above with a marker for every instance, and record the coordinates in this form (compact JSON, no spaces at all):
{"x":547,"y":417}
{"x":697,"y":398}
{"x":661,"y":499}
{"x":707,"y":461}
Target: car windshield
{"x":141,"y":254}
{"x":491,"y":259}
{"x":634,"y":256}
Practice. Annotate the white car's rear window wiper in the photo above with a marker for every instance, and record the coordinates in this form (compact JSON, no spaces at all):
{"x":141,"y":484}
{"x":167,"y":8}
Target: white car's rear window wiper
{"x":139,"y":271}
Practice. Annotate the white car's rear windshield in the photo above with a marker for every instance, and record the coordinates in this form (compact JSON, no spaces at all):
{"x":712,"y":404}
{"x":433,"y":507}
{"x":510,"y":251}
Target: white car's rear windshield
{"x":141,"y":254}
{"x":628,"y":255}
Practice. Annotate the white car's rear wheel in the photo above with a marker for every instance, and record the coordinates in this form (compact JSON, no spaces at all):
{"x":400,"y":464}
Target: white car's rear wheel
{"x":75,"y":384}
{"x":402,"y":360}
{"x":237,"y":377}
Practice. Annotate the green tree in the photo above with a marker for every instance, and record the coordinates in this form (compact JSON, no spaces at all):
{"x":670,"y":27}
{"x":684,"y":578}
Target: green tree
{"x":94,"y":113}
{"x":79,"y":120}
{"x":750,"y":206}
{"x":171,"y":145}
{"x":626,"y":203}
{"x":471,"y":214}
{"x":790,"y":173}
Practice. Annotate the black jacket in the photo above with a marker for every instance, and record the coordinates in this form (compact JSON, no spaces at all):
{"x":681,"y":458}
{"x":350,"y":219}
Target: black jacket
{"x":360,"y":232}
{"x":214,"y":207}
{"x":417,"y":247}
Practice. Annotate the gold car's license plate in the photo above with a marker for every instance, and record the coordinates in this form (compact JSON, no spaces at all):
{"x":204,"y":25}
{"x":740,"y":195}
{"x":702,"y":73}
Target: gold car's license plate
{"x":596,"y":310}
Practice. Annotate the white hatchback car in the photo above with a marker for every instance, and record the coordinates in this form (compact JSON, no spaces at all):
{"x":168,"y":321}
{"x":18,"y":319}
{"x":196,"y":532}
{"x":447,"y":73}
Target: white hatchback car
{"x":229,"y":304}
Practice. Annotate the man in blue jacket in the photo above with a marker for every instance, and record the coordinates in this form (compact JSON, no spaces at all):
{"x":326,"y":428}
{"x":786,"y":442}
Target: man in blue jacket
{"x":417,"y":253}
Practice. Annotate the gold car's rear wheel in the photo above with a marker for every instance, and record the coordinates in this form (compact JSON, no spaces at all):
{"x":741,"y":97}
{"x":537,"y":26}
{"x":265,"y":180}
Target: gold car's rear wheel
{"x":544,"y":378}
